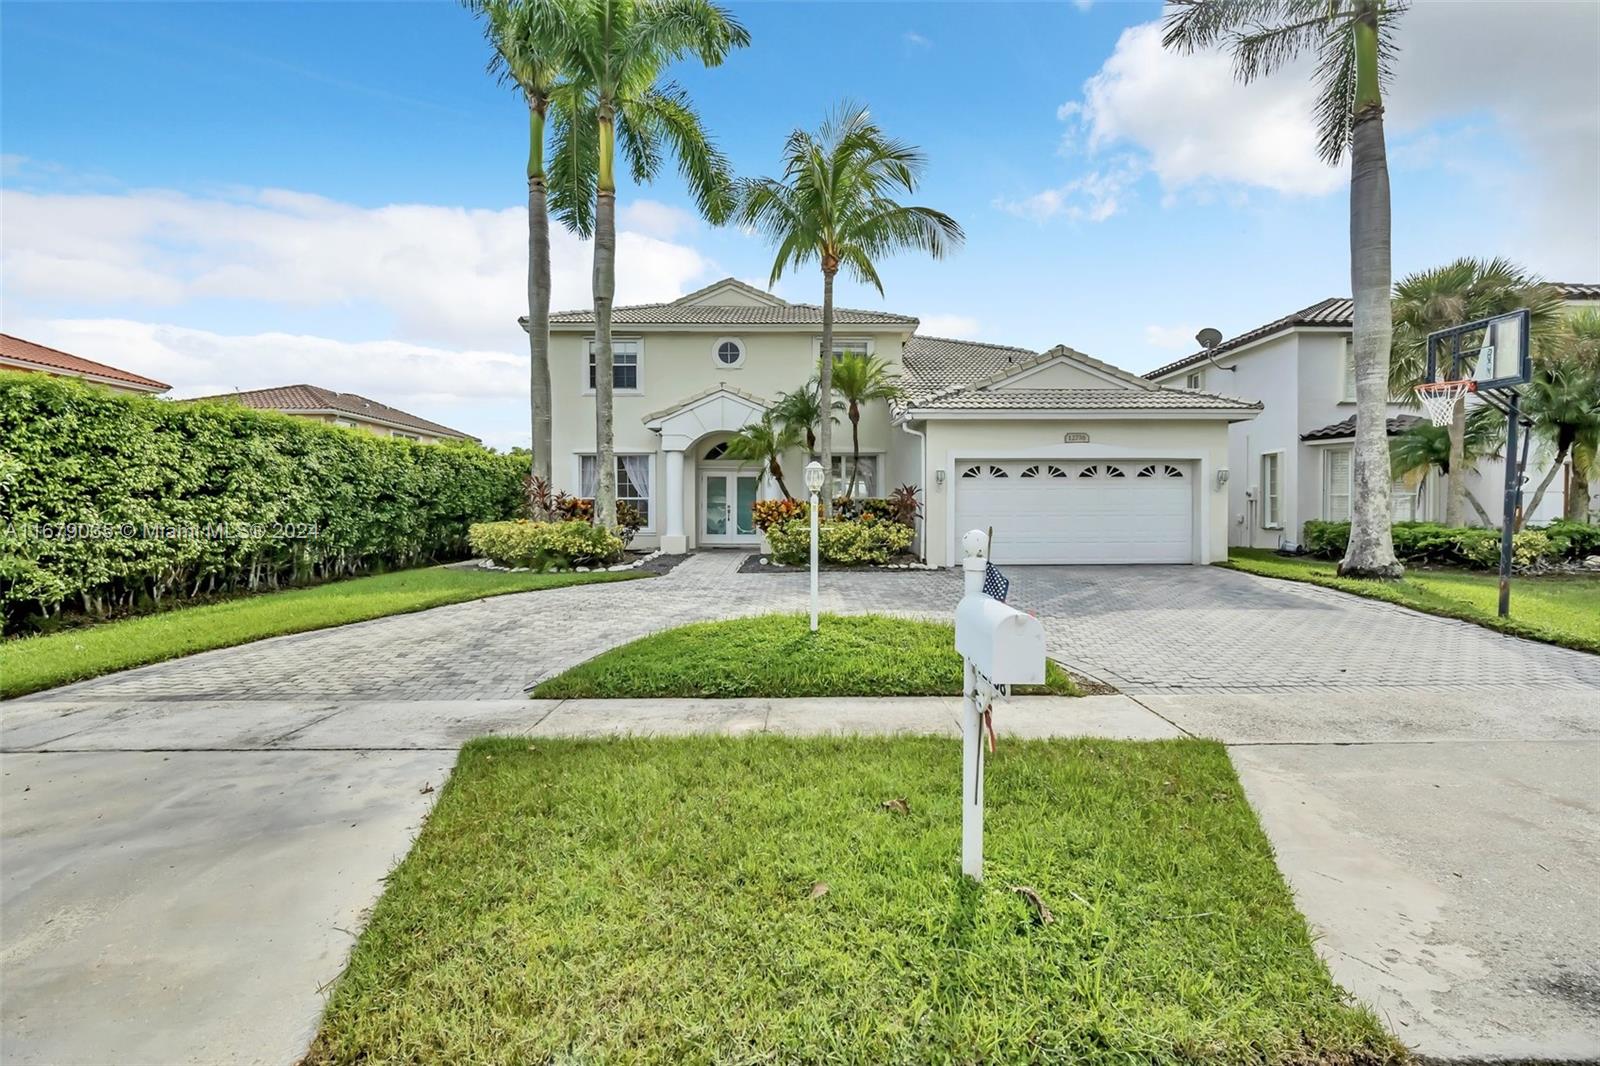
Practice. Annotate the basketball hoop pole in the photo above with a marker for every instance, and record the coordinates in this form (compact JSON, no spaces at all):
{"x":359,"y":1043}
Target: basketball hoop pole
{"x":1508,"y":525}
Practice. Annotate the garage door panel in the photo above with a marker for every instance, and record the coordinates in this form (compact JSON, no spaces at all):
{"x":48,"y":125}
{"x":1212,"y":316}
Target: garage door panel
{"x":1083,"y":512}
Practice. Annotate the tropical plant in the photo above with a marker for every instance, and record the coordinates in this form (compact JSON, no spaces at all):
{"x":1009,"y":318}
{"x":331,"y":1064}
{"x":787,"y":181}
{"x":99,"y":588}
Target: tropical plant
{"x":1351,"y":39}
{"x":905,"y":505}
{"x":532,"y":61}
{"x":765,"y":442}
{"x":835,"y":205}
{"x":860,"y":379}
{"x":1563,"y":402}
{"x":617,"y":52}
{"x":1426,"y":447}
{"x":1461,"y":291}
{"x":802,"y":408}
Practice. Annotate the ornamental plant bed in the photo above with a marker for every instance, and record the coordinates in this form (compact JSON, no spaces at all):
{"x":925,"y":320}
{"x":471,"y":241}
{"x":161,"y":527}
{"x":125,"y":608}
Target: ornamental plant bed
{"x":765,"y":563}
{"x":768,"y":899}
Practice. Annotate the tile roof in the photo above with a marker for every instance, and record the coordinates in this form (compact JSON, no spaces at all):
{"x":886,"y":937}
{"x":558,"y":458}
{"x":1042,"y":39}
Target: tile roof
{"x":684,"y":312}
{"x":53,"y":360}
{"x":1334,"y":311}
{"x":936,"y":364}
{"x":1577,"y":290}
{"x":1083,"y":399}
{"x":1346,"y":427}
{"x":311,"y":399}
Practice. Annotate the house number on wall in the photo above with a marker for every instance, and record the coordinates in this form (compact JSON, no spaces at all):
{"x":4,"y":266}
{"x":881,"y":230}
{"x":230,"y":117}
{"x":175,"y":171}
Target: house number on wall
{"x":1075,"y":438}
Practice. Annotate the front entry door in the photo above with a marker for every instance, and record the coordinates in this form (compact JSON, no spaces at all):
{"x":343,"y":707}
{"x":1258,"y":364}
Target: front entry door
{"x":727,"y":502}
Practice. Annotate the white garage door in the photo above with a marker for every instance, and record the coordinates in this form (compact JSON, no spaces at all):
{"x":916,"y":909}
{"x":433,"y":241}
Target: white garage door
{"x":1089,"y":511}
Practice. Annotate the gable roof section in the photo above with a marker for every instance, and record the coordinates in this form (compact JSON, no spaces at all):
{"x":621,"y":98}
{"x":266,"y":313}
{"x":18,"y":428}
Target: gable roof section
{"x":314,"y":400}
{"x":688,"y":311}
{"x":701,"y":397}
{"x":15,"y":350}
{"x":951,"y":375}
{"x":1336,"y":311}
{"x":1577,"y":290}
{"x":1345,"y":428}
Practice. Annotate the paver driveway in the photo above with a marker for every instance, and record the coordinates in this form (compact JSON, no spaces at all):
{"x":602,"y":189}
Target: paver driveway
{"x":189,"y":846}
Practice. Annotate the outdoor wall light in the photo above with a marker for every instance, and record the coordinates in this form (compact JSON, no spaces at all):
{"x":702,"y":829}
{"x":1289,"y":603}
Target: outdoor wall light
{"x":1222,"y":477}
{"x":938,"y":477}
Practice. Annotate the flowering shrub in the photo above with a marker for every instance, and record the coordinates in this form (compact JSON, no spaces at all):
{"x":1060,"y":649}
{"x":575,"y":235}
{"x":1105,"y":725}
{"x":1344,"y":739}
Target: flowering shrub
{"x":1428,"y":542}
{"x":768,"y":513}
{"x":841,"y":540}
{"x":543,"y":545}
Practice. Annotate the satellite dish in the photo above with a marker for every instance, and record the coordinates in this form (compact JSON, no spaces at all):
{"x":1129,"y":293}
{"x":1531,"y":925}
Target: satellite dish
{"x":1209,"y":338}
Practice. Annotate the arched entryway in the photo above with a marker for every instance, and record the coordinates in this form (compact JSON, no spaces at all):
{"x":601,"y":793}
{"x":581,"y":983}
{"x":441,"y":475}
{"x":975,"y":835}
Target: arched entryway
{"x":723,"y":490}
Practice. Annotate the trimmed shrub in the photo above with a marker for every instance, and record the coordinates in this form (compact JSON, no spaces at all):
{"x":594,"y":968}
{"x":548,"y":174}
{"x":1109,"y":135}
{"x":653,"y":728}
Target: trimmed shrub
{"x":543,"y":545}
{"x":1430,"y":543}
{"x":112,"y":501}
{"x":842,"y":540}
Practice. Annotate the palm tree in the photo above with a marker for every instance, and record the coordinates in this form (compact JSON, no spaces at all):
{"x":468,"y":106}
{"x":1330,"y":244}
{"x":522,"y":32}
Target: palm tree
{"x":1426,"y":447}
{"x":802,"y":409}
{"x":1354,"y":52}
{"x":530,"y":60}
{"x":618,"y":51}
{"x":766,"y":442}
{"x":1563,"y":403}
{"x":861,"y":379}
{"x":1461,"y":291}
{"x":834,"y":204}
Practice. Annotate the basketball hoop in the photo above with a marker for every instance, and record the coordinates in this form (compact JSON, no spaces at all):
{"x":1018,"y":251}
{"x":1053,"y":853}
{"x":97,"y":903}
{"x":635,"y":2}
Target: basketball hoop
{"x":1439,"y":398}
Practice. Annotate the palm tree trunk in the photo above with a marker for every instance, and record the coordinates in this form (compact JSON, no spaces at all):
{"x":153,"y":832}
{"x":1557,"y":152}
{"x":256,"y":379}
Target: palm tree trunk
{"x":1455,"y":481}
{"x":1371,"y":549}
{"x":539,"y":395}
{"x":1532,"y":507}
{"x":776,"y":469}
{"x":855,"y":448}
{"x":605,"y":287}
{"x":1583,"y":458}
{"x":825,"y":386}
{"x":1483,"y":516}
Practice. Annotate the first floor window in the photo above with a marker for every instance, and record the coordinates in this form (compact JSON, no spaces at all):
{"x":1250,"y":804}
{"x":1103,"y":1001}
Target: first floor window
{"x":1272,"y":490}
{"x":624,"y":364}
{"x":1347,"y":390}
{"x":1406,"y":499}
{"x":1336,"y":485}
{"x":866,"y":479}
{"x":633,"y":481}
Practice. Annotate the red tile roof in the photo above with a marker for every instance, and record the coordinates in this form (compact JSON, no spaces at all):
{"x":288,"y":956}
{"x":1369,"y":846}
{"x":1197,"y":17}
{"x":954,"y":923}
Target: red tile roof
{"x":312,"y":399}
{"x":53,"y":361}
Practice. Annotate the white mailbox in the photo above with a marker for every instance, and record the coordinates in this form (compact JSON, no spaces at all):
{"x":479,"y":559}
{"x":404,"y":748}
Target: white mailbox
{"x":1003,"y":644}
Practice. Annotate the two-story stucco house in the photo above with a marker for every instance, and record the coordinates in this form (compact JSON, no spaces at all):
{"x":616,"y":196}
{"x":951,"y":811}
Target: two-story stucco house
{"x":1070,"y":459}
{"x":1292,"y":463}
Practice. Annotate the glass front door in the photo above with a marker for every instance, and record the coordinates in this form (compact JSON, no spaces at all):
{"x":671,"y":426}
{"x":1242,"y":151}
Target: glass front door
{"x":727,"y":507}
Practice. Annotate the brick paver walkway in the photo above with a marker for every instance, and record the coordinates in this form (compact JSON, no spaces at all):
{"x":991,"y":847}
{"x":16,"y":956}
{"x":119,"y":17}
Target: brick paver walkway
{"x":1150,"y":629}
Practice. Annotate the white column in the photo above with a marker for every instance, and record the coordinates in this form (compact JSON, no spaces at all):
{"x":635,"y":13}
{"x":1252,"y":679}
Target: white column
{"x":673,"y":541}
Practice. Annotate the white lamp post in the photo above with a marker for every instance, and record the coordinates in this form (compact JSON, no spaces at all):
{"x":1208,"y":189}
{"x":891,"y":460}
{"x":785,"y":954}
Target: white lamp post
{"x":814,"y":485}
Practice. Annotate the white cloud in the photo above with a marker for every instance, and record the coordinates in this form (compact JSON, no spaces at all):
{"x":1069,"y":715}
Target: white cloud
{"x":916,"y":40}
{"x":1171,"y":338}
{"x":656,"y":219}
{"x":1091,"y":197}
{"x":964,"y":327}
{"x":1201,"y":130}
{"x":444,"y":275}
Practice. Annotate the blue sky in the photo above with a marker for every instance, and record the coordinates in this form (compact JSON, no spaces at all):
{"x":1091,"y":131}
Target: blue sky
{"x":238,"y":195}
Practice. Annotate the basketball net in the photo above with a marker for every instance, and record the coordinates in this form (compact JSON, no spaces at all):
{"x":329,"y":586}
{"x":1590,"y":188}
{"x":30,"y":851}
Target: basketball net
{"x":1438,"y":398}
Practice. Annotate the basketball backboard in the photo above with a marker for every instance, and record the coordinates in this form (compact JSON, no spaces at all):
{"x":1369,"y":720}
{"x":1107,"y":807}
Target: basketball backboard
{"x":1493,"y":353}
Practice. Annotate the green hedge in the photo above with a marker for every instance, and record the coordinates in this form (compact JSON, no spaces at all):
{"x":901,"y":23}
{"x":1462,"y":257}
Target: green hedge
{"x":112,"y":501}
{"x":1474,"y":546}
{"x":545,"y":545}
{"x":842,"y":540}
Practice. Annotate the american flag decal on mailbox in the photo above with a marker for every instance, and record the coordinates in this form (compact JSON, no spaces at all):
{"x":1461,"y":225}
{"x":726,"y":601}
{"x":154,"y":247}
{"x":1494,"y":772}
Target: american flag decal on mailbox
{"x":995,"y":584}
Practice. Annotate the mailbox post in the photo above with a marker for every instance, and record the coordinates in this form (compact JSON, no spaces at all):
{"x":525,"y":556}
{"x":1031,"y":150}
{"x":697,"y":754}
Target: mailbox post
{"x":999,"y":645}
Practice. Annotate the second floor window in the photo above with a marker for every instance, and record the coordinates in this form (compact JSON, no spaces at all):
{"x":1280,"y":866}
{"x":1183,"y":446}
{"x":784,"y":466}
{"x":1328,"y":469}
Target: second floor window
{"x":1347,"y":387}
{"x":1195,"y":380}
{"x":624,"y":364}
{"x":852,"y":345}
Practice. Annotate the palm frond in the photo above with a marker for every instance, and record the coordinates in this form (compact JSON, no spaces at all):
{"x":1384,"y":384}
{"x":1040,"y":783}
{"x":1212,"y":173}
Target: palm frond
{"x":665,"y":112}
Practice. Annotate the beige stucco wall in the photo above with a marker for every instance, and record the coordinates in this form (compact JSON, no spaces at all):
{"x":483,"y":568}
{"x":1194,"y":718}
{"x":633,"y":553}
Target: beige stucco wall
{"x":678,"y":364}
{"x":1204,"y":443}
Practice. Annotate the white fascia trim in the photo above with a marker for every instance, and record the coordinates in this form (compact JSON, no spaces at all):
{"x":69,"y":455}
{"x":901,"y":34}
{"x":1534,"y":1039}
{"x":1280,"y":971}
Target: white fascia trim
{"x":1171,"y":414}
{"x":57,"y":372}
{"x":375,"y":420}
{"x":1200,"y":517}
{"x":903,"y":329}
{"x":1246,"y":349}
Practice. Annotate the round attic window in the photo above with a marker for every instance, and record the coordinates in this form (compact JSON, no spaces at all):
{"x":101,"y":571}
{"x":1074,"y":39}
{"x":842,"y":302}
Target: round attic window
{"x":729,"y":353}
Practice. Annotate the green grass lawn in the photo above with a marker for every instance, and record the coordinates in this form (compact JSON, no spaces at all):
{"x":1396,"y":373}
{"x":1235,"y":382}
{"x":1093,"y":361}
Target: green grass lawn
{"x":778,"y":655}
{"x":720,"y":900}
{"x":29,"y":664}
{"x":1557,"y":608}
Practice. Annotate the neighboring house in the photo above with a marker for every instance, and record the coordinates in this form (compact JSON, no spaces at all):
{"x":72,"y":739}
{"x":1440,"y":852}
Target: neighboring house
{"x":1293,"y":463}
{"x":18,"y":354}
{"x":343,"y":409}
{"x":1071,"y":460}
